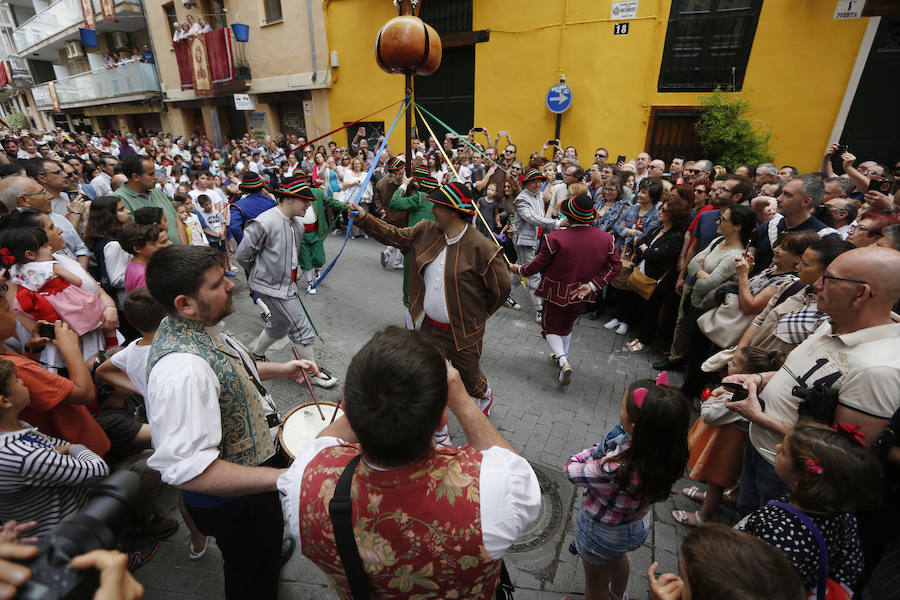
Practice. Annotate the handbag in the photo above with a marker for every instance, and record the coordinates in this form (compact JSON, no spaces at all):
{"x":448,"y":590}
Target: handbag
{"x":341,"y":511}
{"x":825,"y":586}
{"x":620,"y":282}
{"x":642,"y":284}
{"x":725,"y":324}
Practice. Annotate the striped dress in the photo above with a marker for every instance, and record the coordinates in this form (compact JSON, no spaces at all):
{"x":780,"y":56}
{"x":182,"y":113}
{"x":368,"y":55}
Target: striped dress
{"x":38,"y":483}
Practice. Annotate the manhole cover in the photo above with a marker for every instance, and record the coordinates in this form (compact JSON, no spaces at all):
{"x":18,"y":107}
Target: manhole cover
{"x":537,"y":548}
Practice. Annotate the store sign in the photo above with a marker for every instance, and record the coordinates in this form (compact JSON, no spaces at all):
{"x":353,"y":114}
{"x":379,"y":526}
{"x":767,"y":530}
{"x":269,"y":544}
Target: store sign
{"x":257,"y":122}
{"x":849,"y":9}
{"x":243,"y":102}
{"x":624,"y":10}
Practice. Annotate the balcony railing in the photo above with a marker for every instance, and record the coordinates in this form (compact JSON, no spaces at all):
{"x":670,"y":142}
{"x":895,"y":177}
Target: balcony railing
{"x":58,"y":17}
{"x":105,"y":85}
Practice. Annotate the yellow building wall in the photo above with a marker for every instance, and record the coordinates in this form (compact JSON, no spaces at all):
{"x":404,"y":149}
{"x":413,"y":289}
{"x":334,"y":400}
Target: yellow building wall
{"x":360,"y":87}
{"x":799,"y":66}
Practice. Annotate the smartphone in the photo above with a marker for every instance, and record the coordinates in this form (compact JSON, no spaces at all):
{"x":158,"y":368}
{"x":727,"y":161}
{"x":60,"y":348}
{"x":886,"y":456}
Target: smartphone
{"x":47,"y":330}
{"x":551,"y":142}
{"x":481,"y":129}
{"x":503,"y":133}
{"x":880,"y":185}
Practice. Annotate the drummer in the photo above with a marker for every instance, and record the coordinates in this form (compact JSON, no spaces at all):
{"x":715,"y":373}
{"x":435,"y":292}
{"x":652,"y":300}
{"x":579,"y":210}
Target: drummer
{"x":212,"y":421}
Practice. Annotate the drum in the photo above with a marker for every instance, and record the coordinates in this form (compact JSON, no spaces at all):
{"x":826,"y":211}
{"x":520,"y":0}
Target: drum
{"x":303,"y":424}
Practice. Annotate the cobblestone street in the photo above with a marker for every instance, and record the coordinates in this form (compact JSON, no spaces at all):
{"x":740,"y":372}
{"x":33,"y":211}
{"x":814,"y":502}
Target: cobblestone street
{"x":542,"y":421}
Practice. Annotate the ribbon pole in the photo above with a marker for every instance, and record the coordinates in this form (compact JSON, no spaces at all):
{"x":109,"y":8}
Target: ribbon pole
{"x":474,"y":204}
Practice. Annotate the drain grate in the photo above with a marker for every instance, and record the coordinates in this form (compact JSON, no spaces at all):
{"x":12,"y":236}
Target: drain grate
{"x":537,"y":549}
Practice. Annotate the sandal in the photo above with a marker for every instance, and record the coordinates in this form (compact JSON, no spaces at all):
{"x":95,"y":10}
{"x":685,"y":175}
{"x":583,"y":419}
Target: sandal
{"x":731,"y":495}
{"x":694,"y":493}
{"x":683,"y":517}
{"x":636,"y":346}
{"x":197,"y":554}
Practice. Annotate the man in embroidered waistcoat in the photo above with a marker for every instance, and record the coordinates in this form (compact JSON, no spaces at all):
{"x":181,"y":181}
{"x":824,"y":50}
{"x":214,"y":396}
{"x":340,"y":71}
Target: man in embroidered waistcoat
{"x":576,"y":264}
{"x":426,"y":520}
{"x":213,"y":423}
{"x":384,"y":191}
{"x":457,"y":278}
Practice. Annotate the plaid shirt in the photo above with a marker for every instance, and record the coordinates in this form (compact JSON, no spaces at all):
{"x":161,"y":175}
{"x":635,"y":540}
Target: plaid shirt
{"x":795,"y":327}
{"x":604,"y":500}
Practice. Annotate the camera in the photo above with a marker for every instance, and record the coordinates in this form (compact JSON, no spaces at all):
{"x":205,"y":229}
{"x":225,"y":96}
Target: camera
{"x":47,"y":330}
{"x":817,"y":402}
{"x":111,"y":512}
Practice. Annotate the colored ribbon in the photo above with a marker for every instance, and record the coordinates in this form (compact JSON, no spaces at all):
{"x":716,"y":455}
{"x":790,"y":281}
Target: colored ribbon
{"x":474,"y":204}
{"x":407,"y":101}
{"x":354,"y":122}
{"x":460,"y":138}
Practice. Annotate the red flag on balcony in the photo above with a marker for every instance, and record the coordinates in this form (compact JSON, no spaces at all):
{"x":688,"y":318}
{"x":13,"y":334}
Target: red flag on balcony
{"x":4,"y":80}
{"x":221,"y":57}
{"x":87,"y":13}
{"x":183,"y":58}
{"x":200,"y":67}
{"x":7,"y":72}
{"x":53,"y":97}
{"x":108,"y":10}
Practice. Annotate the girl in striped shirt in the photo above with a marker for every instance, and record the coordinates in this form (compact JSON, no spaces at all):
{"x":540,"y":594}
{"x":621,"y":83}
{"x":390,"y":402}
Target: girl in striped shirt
{"x":624,"y":479}
{"x":42,"y":478}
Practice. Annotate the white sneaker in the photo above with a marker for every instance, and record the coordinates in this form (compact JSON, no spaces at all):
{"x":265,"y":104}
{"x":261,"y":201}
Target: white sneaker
{"x":310,"y":290}
{"x":622,"y":329}
{"x":538,"y":316}
{"x":384,"y":258}
{"x":398,"y":265}
{"x":323,"y":380}
{"x":612,"y":324}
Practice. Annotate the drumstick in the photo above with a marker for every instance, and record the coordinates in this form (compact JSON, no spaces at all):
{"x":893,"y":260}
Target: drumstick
{"x":305,"y":378}
{"x":336,"y":407}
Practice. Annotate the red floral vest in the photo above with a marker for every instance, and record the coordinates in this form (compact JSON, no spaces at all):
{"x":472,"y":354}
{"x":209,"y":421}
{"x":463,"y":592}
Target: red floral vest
{"x":418,"y":529}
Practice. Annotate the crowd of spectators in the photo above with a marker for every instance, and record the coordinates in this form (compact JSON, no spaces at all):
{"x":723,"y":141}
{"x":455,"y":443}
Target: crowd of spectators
{"x":778,"y":283}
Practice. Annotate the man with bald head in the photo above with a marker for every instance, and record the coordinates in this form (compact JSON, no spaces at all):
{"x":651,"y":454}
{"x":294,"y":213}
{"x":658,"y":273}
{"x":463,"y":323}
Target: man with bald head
{"x":854,"y":353}
{"x":642,"y":164}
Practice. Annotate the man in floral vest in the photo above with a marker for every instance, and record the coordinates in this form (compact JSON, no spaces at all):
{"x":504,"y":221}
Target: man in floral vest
{"x":426,"y":520}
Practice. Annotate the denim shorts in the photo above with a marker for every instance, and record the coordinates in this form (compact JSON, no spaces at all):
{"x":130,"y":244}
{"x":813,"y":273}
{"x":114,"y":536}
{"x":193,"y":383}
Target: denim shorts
{"x":599,"y":544}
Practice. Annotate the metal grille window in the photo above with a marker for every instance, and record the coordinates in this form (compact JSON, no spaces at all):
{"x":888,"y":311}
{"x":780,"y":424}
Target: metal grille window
{"x":708,"y":44}
{"x":273,"y":10}
{"x":672,"y":134}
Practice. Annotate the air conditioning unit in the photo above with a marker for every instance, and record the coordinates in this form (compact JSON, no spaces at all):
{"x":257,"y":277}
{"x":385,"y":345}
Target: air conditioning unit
{"x":74,"y":49}
{"x":120,"y":40}
{"x":188,"y":3}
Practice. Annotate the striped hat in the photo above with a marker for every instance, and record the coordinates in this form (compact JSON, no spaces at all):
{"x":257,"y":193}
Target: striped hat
{"x":454,"y":195}
{"x":294,"y":187}
{"x":250,"y":182}
{"x":426,"y":184}
{"x":421,"y":171}
{"x":579,"y":209}
{"x":301,"y":172}
{"x":395,"y":163}
{"x":532,"y":175}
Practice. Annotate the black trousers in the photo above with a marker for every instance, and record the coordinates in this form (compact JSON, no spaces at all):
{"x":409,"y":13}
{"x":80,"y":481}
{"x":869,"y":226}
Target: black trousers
{"x":248,"y":532}
{"x":699,"y":348}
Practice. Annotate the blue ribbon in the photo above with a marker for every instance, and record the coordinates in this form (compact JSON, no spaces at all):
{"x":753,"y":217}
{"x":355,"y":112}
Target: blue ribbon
{"x":362,"y":188}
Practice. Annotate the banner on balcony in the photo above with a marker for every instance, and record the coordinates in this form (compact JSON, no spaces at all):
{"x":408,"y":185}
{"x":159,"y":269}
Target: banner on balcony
{"x":4,"y":80}
{"x":108,"y":10}
{"x":87,"y":13}
{"x":7,"y":72}
{"x":200,"y":67}
{"x":53,"y":97}
{"x":217,"y":59}
{"x":221,"y":58}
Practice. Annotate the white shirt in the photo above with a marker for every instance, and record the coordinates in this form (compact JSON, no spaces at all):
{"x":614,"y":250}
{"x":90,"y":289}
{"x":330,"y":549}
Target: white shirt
{"x":60,"y":204}
{"x":510,"y":497}
{"x":132,"y":359}
{"x":116,"y":261}
{"x":183,"y":412}
{"x":435,"y":303}
{"x":101,"y":183}
{"x":864,"y":366}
